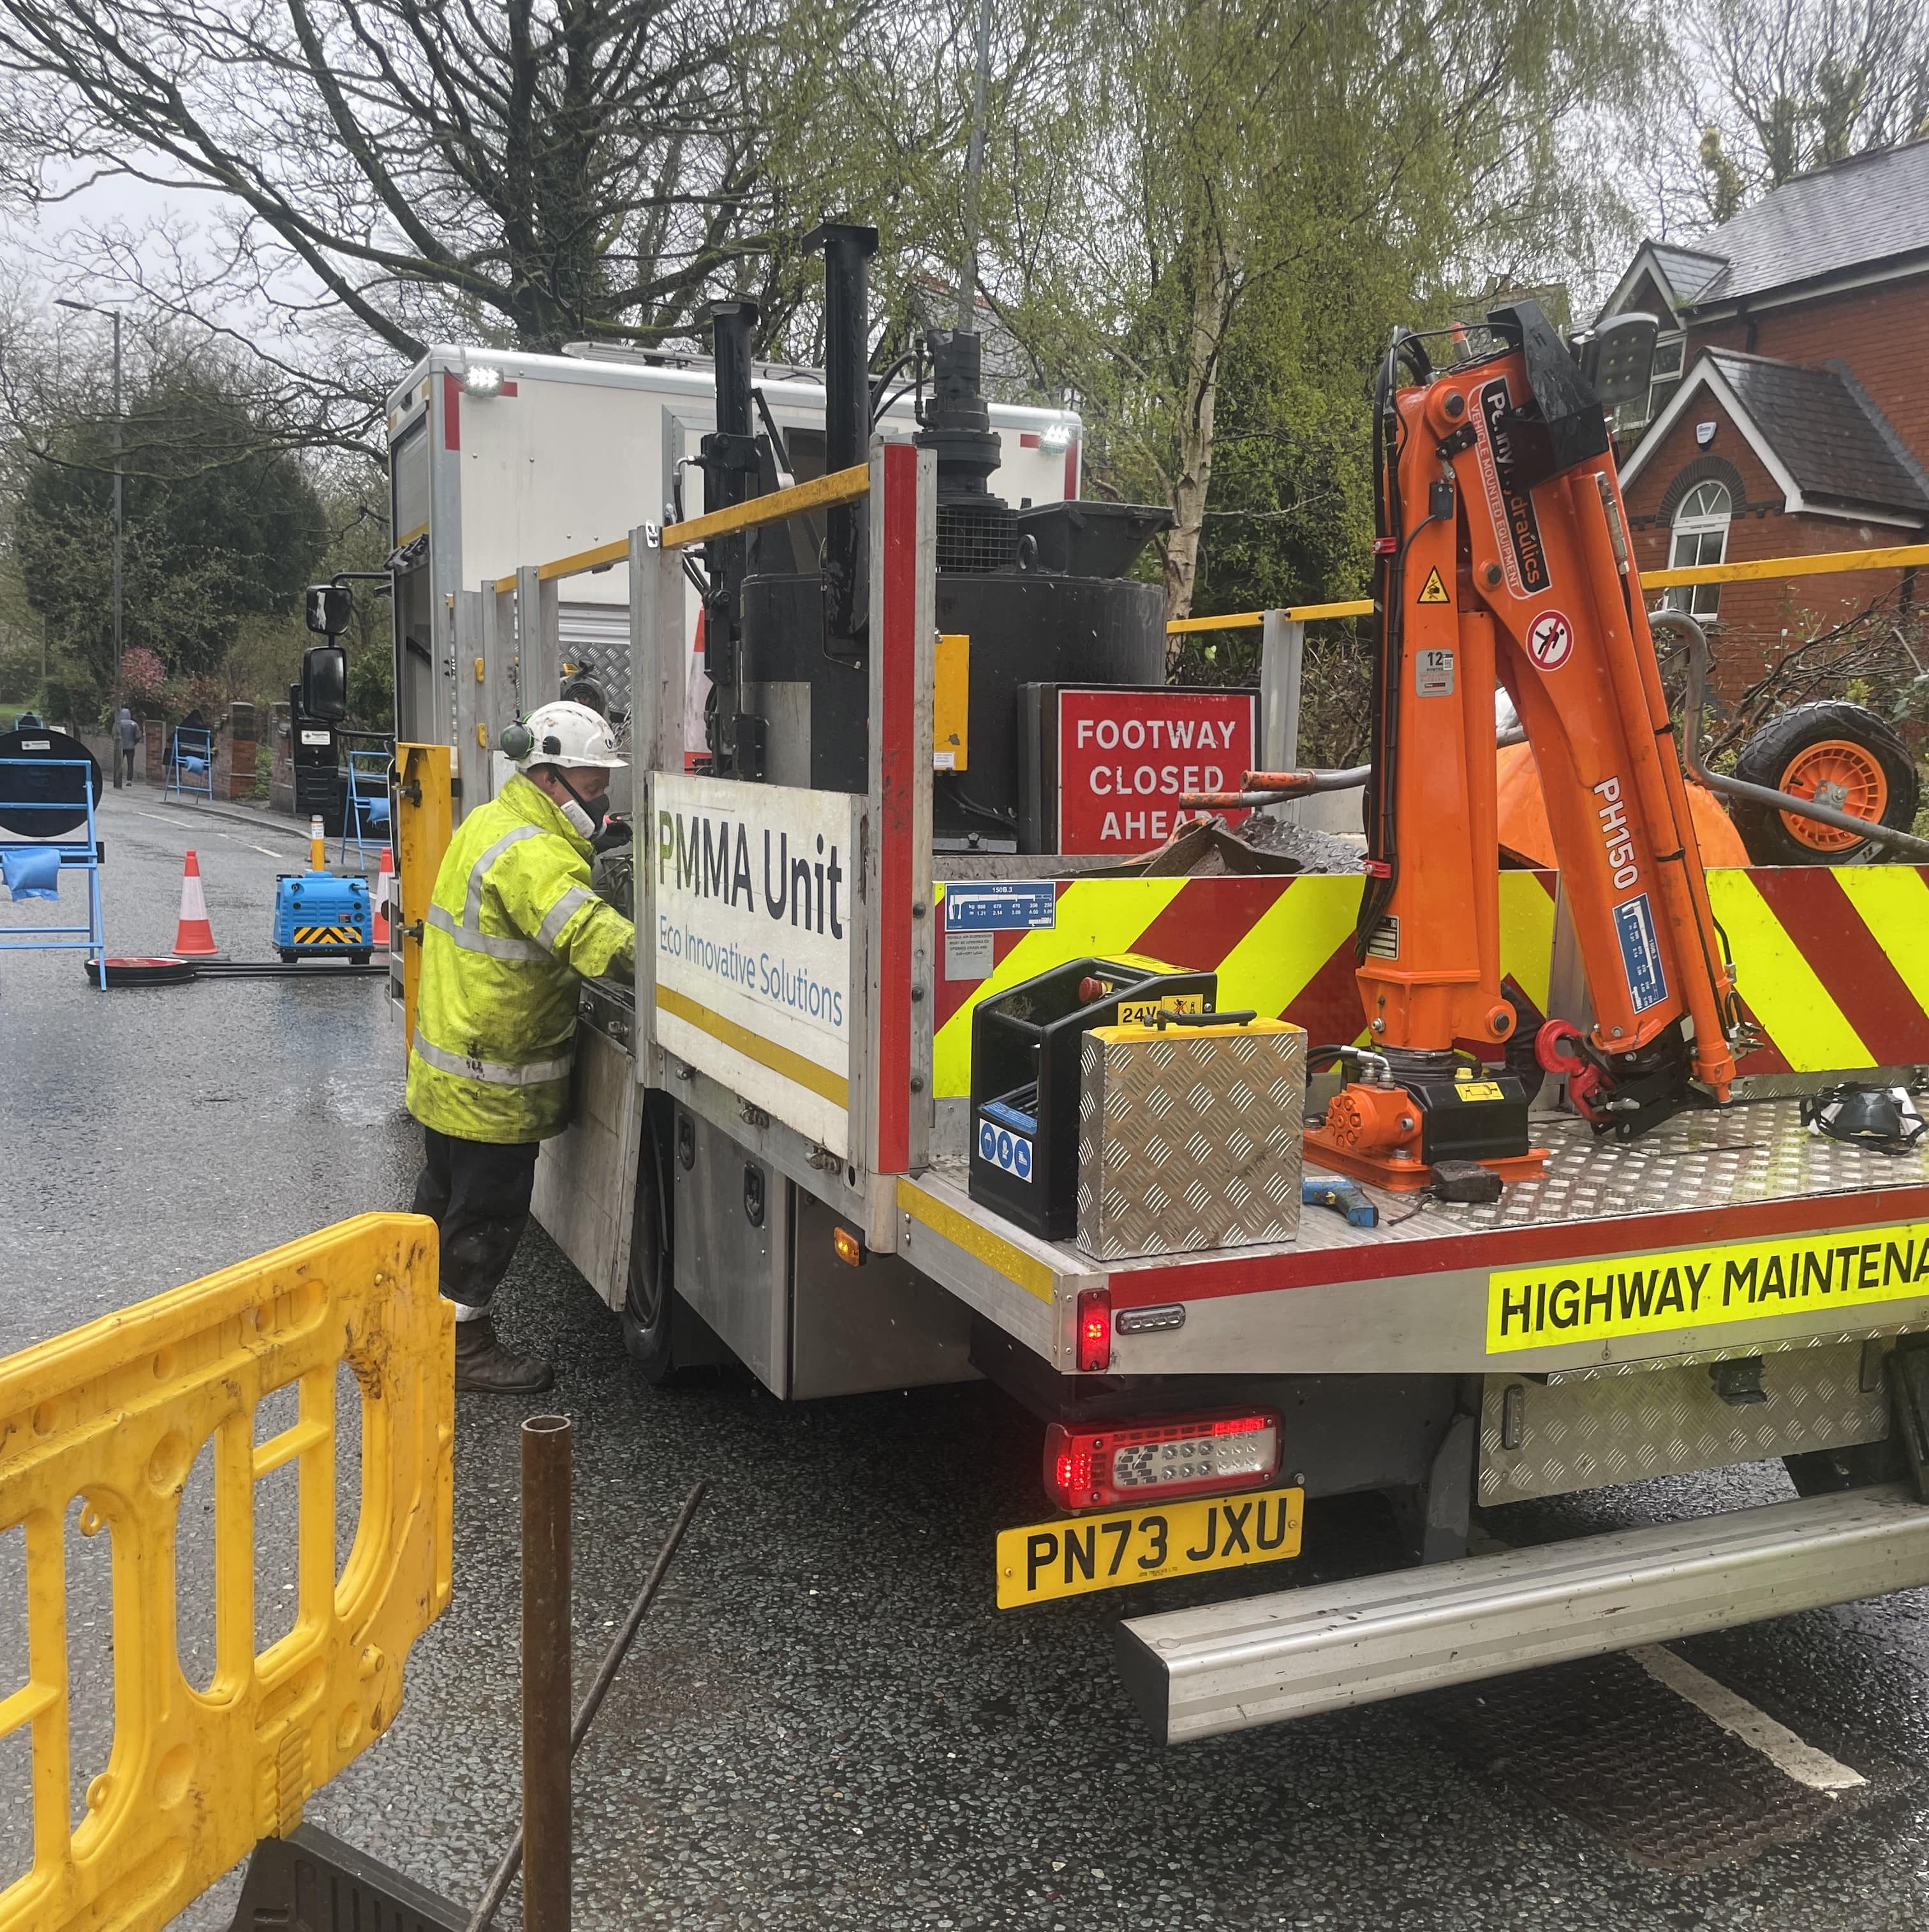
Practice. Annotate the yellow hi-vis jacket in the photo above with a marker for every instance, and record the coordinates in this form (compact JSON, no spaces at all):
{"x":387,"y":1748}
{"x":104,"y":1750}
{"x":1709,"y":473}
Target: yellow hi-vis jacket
{"x":512,"y":926}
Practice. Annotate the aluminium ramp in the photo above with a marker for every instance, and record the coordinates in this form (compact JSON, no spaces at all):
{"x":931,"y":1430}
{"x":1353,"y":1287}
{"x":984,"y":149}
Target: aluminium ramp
{"x":1259,"y":1660}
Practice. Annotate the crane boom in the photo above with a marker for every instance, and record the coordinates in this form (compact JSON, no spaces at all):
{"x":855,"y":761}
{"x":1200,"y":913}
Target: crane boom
{"x":1503,"y":556}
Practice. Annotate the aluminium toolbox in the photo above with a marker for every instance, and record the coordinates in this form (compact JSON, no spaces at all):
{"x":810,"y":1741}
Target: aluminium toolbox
{"x":1189,"y":1136}
{"x":1025,"y":1077}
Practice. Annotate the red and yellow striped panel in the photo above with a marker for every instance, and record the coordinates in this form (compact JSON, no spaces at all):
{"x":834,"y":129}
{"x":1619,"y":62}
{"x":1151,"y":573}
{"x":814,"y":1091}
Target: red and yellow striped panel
{"x":1283,"y":947}
{"x":1833,"y":964}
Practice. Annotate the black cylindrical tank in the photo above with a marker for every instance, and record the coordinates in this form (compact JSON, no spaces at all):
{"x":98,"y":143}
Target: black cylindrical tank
{"x":1025,"y":627}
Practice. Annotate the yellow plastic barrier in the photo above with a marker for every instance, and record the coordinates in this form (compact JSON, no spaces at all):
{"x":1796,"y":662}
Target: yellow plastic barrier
{"x":114,"y":1414}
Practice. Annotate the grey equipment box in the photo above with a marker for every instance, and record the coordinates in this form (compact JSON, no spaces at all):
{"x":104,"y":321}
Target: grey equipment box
{"x":1189,"y":1136}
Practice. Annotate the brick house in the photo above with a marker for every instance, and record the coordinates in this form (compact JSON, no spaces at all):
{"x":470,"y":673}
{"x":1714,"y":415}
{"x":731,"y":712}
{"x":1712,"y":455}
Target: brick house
{"x":1789,"y":412}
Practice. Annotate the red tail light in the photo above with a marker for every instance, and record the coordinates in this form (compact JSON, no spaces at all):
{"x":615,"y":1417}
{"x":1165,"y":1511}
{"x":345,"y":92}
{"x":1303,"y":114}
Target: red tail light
{"x":1105,"y":1464}
{"x":1094,"y":1331}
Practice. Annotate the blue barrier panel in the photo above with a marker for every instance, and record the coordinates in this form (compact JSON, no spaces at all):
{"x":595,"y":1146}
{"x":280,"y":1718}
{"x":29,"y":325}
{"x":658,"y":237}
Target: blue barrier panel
{"x":190,"y":763}
{"x":48,"y":803}
{"x":364,"y":811}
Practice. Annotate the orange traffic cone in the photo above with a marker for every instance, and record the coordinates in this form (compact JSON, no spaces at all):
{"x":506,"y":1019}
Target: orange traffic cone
{"x":194,"y":934}
{"x":385,"y":880}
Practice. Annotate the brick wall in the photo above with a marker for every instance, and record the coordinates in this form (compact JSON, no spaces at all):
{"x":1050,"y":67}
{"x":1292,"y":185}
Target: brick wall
{"x":1881,"y":334}
{"x":1757,"y":621}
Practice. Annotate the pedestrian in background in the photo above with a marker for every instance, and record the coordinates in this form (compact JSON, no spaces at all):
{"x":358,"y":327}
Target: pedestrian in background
{"x":127,"y":736}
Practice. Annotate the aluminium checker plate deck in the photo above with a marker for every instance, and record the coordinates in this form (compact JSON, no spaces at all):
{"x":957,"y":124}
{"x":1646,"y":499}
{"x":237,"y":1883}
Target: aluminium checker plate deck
{"x":1747,"y":1194}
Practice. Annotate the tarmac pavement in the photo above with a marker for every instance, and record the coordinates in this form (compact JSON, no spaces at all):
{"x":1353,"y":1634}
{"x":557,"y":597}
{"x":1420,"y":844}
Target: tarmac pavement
{"x":824,"y":1722}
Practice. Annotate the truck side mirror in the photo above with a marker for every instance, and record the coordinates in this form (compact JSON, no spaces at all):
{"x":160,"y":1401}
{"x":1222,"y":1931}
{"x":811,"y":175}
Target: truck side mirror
{"x":325,"y":681}
{"x":329,"y":605}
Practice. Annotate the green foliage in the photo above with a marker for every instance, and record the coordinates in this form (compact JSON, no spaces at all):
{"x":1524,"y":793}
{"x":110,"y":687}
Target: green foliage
{"x":220,"y":526}
{"x":371,"y":689}
{"x":1249,"y":194}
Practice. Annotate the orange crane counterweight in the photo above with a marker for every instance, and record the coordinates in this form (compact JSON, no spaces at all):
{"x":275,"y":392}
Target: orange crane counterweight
{"x":1503,"y":555}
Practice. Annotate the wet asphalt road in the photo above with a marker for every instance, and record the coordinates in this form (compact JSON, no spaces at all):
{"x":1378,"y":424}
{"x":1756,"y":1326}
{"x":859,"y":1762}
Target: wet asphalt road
{"x":825,"y":1723}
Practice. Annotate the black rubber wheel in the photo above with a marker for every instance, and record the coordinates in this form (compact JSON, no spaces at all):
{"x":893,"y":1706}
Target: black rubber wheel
{"x":289,"y":957}
{"x":649,"y":1302}
{"x":358,"y":958}
{"x":1847,"y":747}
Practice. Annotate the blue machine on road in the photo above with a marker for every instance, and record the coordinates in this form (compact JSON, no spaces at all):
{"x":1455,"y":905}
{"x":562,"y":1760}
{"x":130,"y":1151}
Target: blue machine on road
{"x":323,"y":915}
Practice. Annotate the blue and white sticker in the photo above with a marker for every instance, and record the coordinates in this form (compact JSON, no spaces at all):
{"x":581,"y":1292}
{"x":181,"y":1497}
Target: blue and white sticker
{"x":1017,"y":906}
{"x":1640,"y":953}
{"x":1004,"y":1149}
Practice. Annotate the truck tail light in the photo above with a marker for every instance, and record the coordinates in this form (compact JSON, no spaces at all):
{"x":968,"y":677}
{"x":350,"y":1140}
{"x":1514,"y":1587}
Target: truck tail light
{"x":1107,"y":1464}
{"x":1094,"y":1331}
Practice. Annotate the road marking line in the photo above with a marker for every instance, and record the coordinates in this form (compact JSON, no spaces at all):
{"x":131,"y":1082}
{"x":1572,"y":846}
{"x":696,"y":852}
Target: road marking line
{"x":1741,"y":1719}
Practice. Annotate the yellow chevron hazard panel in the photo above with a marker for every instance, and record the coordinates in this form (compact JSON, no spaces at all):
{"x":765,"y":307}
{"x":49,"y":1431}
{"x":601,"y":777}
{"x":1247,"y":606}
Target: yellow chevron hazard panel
{"x":1855,"y":1271}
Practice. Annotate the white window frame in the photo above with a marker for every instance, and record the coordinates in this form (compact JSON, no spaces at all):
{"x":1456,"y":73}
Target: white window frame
{"x":1689,"y":534}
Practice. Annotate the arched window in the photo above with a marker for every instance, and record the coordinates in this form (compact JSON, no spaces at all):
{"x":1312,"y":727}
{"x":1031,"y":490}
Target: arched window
{"x":1700,"y":536}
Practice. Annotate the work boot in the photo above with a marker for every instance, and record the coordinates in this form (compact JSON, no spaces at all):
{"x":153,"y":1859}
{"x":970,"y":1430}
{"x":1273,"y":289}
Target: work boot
{"x":484,"y":1365}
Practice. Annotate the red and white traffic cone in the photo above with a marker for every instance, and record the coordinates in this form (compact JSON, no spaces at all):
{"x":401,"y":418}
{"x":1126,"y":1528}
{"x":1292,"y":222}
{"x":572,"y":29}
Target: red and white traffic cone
{"x":194,"y":934}
{"x":384,"y":882}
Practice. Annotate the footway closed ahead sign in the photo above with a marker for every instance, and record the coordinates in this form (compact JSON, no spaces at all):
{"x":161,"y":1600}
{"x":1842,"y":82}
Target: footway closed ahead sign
{"x":1124,"y":758}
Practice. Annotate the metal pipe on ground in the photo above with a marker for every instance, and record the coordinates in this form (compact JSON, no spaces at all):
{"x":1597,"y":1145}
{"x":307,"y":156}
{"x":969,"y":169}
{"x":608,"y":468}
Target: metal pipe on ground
{"x":547,"y":1457}
{"x":592,"y":1701}
{"x":1696,"y":641}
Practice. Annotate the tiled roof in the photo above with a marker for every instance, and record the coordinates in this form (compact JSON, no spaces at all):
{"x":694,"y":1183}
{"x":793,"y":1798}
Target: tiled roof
{"x":1689,"y":271}
{"x":1830,"y":436}
{"x":1854,"y":214}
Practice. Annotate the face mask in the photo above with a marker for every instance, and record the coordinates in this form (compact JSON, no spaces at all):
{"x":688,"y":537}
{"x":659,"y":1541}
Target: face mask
{"x":578,"y":816}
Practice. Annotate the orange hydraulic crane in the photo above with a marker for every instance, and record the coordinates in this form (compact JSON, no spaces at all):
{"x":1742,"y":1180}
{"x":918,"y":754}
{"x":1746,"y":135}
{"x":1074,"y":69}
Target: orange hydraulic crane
{"x":1502,"y":553}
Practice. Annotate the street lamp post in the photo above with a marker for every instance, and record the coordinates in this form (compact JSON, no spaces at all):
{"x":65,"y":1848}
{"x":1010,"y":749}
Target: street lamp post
{"x":113,"y":315}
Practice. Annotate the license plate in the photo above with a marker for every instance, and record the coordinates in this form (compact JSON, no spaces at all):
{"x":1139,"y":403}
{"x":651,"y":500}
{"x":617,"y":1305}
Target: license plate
{"x":1078,"y":1554}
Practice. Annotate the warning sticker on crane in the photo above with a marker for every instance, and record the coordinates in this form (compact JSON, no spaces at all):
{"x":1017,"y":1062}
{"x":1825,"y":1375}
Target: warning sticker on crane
{"x":1434,"y":590}
{"x":1550,"y":640}
{"x":1848,"y":1273}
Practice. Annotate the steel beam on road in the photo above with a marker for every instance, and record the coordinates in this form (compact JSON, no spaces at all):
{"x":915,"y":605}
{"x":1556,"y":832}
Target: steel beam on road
{"x":1232,"y":1667}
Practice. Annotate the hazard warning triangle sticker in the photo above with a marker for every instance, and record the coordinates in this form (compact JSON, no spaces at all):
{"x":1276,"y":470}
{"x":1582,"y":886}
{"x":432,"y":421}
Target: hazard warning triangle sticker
{"x":1433,"y":591}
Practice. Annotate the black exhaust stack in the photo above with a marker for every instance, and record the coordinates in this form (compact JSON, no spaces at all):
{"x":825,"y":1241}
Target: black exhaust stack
{"x":976,"y":531}
{"x":847,"y":379}
{"x":729,"y":459}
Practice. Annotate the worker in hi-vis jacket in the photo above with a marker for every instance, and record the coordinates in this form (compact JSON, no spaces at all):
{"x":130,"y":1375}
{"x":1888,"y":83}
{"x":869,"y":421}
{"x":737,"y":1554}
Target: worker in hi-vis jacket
{"x":512,"y":928}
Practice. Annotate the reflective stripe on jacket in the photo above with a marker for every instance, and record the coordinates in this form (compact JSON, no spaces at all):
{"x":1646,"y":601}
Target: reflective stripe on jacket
{"x":512,"y":927}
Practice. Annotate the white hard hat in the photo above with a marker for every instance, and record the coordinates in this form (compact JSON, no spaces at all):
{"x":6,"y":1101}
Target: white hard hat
{"x":569,"y":736}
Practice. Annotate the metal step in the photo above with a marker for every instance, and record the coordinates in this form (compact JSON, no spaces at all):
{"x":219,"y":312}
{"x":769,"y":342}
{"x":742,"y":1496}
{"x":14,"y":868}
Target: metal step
{"x":1232,"y":1667}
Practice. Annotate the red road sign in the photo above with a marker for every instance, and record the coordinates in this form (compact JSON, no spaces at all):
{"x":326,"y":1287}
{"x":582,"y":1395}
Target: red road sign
{"x":1124,"y":757}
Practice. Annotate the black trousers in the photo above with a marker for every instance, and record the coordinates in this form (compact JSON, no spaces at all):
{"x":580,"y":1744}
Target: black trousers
{"x":478,"y":1193}
{"x":124,"y":766}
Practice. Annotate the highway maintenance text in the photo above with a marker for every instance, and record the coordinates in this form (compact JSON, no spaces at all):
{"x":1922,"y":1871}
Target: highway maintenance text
{"x":1745,"y":1281}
